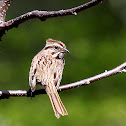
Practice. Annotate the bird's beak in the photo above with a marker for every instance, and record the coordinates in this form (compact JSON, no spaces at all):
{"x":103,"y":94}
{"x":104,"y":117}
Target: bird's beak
{"x":66,"y":50}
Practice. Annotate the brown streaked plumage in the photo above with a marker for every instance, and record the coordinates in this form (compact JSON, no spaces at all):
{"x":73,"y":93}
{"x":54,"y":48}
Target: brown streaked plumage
{"x":46,"y":70}
{"x":55,"y":41}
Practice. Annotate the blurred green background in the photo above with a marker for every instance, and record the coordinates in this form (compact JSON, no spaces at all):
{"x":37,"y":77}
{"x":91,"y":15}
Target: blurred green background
{"x":96,"y":39}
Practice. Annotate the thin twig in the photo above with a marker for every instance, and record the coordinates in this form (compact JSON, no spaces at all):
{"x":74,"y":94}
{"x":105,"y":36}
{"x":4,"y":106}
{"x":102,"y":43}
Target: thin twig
{"x":3,"y":9}
{"x":43,"y":15}
{"x":16,"y":93}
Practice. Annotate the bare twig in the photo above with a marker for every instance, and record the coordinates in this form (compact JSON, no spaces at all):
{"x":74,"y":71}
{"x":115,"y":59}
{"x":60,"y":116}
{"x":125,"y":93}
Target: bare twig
{"x":119,"y":69}
{"x":43,"y":15}
{"x":3,"y":9}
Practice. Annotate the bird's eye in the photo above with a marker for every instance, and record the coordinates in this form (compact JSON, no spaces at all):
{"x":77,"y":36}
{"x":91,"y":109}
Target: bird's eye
{"x":56,"y":47}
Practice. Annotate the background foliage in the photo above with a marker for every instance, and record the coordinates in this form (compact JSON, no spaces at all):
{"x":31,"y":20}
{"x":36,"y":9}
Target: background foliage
{"x":96,"y":39}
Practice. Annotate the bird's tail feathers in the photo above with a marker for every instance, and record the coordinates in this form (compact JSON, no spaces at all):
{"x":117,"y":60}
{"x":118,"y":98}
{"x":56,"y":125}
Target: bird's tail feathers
{"x":58,"y":107}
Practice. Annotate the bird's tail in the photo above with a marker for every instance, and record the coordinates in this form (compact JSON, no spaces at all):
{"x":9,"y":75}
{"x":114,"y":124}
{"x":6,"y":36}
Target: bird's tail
{"x":58,"y":107}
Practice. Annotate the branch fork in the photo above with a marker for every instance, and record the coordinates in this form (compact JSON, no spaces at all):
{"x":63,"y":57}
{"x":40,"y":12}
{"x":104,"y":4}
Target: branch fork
{"x":42,"y":15}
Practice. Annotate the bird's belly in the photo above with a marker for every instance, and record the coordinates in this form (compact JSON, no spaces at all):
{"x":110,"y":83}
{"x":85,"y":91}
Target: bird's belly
{"x":51,"y":73}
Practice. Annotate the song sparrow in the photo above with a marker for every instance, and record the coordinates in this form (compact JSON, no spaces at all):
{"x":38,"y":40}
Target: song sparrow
{"x":47,"y":69}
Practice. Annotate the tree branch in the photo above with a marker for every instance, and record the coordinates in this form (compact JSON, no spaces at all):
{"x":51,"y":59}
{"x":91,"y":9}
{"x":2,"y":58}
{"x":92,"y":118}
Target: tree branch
{"x":43,"y":15}
{"x":17,"y":93}
{"x":3,"y":9}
